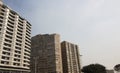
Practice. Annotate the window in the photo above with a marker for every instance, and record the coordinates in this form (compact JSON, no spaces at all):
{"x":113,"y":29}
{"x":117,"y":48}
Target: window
{"x":3,"y":10}
{"x":6,"y":44}
{"x":1,"y":21}
{"x":8,"y":49}
{"x":18,"y":60}
{"x":4,"y":62}
{"x":2,"y":13}
{"x":11,"y":19}
{"x":18,"y":40}
{"x":5,"y":53}
{"x":18,"y":56}
{"x":6,"y":58}
{"x":16,"y":64}
{"x":9,"y":33}
{"x":18,"y":48}
{"x":1,"y":17}
{"x":0,"y":24}
{"x":19,"y":37}
{"x":8,"y":36}
{"x":10,"y":22}
{"x":18,"y":44}
{"x":17,"y":52}
{"x":10,"y":26}
{"x":19,"y":33}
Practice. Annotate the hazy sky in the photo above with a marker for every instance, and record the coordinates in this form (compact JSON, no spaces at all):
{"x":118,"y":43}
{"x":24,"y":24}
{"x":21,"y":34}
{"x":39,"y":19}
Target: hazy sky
{"x":92,"y":24}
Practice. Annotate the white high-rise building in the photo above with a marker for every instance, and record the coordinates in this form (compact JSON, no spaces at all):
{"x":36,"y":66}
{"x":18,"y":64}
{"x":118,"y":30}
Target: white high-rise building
{"x":15,"y":42}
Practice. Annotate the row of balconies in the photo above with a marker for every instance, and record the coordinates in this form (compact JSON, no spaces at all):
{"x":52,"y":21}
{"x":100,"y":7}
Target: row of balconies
{"x":3,"y":6}
{"x":6,"y":56}
{"x":1,"y":20}
{"x":20,"y":35}
{"x":9,"y":32}
{"x":11,"y":20}
{"x":8,"y":49}
{"x":8,"y":36}
{"x":1,"y":17}
{"x":0,"y":24}
{"x":2,"y":9}
{"x":1,"y":13}
{"x":28,"y":25}
{"x":0,"y":27}
{"x":28,"y":29}
{"x":10,"y":26}
{"x":16,"y":62}
{"x":20,"y":31}
{"x":12,"y":16}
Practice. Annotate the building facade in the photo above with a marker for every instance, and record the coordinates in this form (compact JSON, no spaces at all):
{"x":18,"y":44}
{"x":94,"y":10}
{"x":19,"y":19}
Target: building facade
{"x":70,"y":58}
{"x":110,"y":71}
{"x":15,"y":42}
{"x":46,"y":54}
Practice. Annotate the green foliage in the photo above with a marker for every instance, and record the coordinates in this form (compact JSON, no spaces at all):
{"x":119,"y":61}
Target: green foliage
{"x":117,"y":67}
{"x":94,"y":68}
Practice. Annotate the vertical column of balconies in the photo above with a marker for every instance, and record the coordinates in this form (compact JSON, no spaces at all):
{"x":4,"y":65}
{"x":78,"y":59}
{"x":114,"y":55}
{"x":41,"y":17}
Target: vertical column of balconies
{"x":23,"y":46}
{"x":28,"y":43}
{"x":76,"y":61}
{"x":19,"y":41}
{"x":23,"y":54}
{"x":78,"y":58}
{"x":74,"y":58}
{"x":2,"y":15}
{"x":71,"y":57}
{"x":8,"y":38}
{"x":68,"y":57}
{"x":58,"y":53}
{"x":14,"y":38}
{"x":4,"y":46}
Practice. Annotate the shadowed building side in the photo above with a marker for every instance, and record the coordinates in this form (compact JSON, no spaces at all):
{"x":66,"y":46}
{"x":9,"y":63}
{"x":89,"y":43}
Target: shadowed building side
{"x":70,"y":58}
{"x":46,"y":54}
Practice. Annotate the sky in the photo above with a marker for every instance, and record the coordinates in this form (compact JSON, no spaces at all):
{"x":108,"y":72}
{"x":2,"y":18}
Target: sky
{"x":94,"y":25}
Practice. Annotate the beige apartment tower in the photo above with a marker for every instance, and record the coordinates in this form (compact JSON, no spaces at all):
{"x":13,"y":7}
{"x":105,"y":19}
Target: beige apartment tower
{"x":70,"y":58}
{"x":15,"y":41}
{"x":46,"y":54}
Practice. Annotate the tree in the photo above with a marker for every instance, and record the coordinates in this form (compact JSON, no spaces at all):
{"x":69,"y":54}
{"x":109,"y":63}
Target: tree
{"x":117,"y":67}
{"x":94,"y":68}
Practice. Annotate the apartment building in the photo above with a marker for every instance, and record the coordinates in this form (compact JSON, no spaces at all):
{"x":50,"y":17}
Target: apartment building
{"x":46,"y":54}
{"x":15,"y":42}
{"x":70,"y":57}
